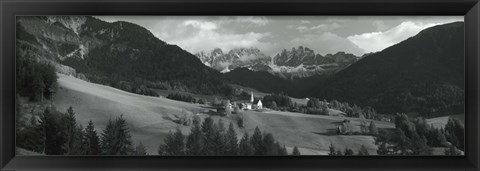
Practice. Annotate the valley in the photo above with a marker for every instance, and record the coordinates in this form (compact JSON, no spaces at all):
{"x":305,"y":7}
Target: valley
{"x":407,"y":99}
{"x":149,"y":118}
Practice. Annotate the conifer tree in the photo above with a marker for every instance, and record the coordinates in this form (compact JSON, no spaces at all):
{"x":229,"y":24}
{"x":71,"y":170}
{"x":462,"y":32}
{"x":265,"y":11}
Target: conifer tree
{"x":268,"y":144}
{"x":219,"y":139}
{"x":363,"y":151}
{"x":231,"y":140}
{"x":31,"y":136}
{"x":54,"y":138}
{"x":348,"y":152}
{"x":372,"y":128}
{"x":208,"y":129}
{"x":195,"y":139}
{"x":90,"y":140}
{"x":257,"y":142}
{"x":244,"y":147}
{"x":70,"y":124}
{"x":282,"y":151}
{"x":332,"y":150}
{"x":295,"y":151}
{"x":140,"y":150}
{"x":116,"y":138}
{"x":173,"y":144}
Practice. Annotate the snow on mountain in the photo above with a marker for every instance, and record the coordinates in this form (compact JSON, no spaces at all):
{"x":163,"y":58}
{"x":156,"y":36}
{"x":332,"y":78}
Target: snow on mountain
{"x":235,"y":58}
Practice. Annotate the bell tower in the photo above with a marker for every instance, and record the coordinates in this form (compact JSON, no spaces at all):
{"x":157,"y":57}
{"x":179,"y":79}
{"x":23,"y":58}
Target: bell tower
{"x":251,"y":97}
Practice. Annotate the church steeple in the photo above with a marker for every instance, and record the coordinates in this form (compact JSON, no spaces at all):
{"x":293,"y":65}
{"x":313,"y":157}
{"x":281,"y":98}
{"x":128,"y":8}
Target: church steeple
{"x":251,"y":97}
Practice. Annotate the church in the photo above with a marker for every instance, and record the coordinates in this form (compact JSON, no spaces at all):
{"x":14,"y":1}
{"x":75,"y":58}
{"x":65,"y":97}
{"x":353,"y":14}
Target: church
{"x":254,"y":104}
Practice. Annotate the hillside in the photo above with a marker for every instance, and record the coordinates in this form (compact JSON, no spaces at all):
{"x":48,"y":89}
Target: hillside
{"x":150,"y":118}
{"x":423,"y":74}
{"x":118,"y":54}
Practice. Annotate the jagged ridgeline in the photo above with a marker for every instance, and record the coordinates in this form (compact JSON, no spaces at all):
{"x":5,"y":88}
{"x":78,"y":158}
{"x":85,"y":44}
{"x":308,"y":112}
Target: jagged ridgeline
{"x":119,"y":54}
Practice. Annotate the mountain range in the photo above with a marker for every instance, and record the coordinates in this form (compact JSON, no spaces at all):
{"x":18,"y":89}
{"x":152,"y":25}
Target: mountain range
{"x":235,"y":58}
{"x":289,"y":64}
{"x":423,"y":74}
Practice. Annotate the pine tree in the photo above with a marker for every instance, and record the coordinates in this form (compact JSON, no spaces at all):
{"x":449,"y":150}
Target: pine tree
{"x":195,"y":139}
{"x":208,"y":130}
{"x":348,"y":152}
{"x":69,"y":130}
{"x":403,"y":142}
{"x":269,"y":144}
{"x":173,"y":144}
{"x":78,"y":146}
{"x":91,"y":140}
{"x":244,"y":147}
{"x":140,"y":150}
{"x":419,"y":146}
{"x":54,"y":138}
{"x":116,"y":138}
{"x":257,"y":142}
{"x":372,"y":128}
{"x":232,"y":141}
{"x":31,"y":136}
{"x":295,"y":151}
{"x":219,"y":139}
{"x":363,"y":127}
{"x":73,"y":134}
{"x":108,"y":139}
{"x":332,"y":150}
{"x":363,"y":151}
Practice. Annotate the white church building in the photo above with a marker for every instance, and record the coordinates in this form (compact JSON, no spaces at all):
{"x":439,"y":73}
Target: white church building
{"x":253,"y":104}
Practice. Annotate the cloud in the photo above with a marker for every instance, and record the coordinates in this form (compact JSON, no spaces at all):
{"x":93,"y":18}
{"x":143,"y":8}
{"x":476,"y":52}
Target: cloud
{"x":204,"y":25}
{"x":204,"y":36}
{"x":325,"y":43}
{"x":260,"y":21}
{"x":380,"y":25}
{"x":305,"y":22}
{"x":377,"y":41}
{"x":320,"y":27}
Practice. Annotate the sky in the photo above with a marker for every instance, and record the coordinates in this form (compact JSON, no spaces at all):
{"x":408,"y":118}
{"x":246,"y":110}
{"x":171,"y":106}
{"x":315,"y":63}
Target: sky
{"x":271,"y":34}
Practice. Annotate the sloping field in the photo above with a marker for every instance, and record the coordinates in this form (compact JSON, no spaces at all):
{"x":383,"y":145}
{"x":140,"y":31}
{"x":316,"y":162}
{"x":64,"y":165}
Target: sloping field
{"x":440,"y":122}
{"x":313,"y":134}
{"x":149,"y":118}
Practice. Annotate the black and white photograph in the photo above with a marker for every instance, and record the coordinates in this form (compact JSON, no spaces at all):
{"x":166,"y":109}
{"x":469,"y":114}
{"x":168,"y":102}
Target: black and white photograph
{"x":240,"y":85}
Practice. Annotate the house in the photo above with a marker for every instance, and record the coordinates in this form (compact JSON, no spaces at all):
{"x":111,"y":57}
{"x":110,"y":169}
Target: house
{"x":246,"y":106}
{"x":252,"y":104}
{"x":257,"y":104}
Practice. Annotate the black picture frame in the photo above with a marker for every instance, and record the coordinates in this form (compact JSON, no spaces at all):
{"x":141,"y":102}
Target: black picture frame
{"x":10,"y":8}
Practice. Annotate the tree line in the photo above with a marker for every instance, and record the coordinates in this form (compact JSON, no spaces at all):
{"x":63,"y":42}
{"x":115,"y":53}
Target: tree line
{"x":56,"y":133}
{"x":185,"y":98}
{"x":416,"y":137}
{"x":35,"y":80}
{"x":137,"y":88}
{"x":333,"y":151}
{"x":210,"y":138}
